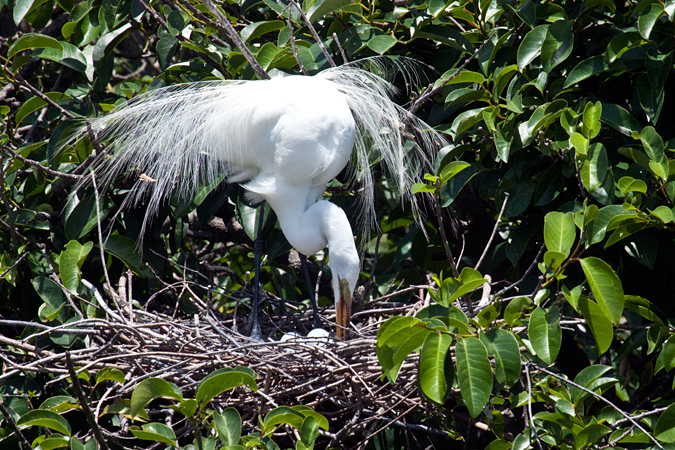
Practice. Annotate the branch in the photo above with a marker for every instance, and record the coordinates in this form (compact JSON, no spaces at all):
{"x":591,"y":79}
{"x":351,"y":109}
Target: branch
{"x":494,"y":232}
{"x":83,"y":403}
{"x":314,"y":34}
{"x":431,"y":90}
{"x":229,"y":30}
{"x":600,"y":397}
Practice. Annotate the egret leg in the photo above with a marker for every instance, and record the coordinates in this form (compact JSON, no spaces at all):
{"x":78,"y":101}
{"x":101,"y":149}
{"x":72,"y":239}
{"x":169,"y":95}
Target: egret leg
{"x":257,"y":255}
{"x":310,"y":290}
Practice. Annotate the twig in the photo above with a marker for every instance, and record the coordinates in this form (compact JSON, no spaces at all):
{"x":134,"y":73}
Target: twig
{"x":339,"y":46}
{"x":234,"y":36}
{"x":294,"y":49}
{"x":35,"y":91}
{"x":40,"y":167}
{"x":314,"y":34}
{"x":494,"y":232}
{"x":529,"y":404}
{"x":83,"y":403}
{"x":10,"y":421}
{"x":431,"y":90}
{"x":527,"y":272}
{"x":600,"y":397}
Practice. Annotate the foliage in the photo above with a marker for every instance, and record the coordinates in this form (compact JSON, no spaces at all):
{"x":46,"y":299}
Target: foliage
{"x":557,"y":115}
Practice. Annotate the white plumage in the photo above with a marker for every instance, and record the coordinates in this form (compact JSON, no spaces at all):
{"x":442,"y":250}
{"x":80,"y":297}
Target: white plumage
{"x":283,"y":138}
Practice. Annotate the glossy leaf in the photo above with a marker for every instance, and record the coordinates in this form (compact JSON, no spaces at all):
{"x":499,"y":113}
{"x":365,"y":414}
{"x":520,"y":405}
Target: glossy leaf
{"x":503,"y":347}
{"x":605,"y":286}
{"x":32,"y":41}
{"x":149,"y":390}
{"x":157,"y":432}
{"x":44,"y":418}
{"x":216,"y":385}
{"x":228,"y":424}
{"x":590,"y":434}
{"x":545,"y":333}
{"x":531,"y":46}
{"x":664,"y":430}
{"x":600,"y":324}
{"x":70,"y":263}
{"x":474,"y":374}
{"x":322,"y":8}
{"x":559,"y":232}
{"x":432,"y":377}
{"x":281,"y":415}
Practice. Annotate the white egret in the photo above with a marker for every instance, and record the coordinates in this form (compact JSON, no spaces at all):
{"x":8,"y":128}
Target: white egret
{"x":284,"y":139}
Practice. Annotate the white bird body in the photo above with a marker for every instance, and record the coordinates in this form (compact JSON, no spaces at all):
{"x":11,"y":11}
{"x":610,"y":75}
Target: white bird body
{"x":284,"y":138}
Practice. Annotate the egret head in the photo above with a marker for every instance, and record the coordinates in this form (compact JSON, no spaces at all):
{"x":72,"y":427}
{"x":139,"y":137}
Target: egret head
{"x":344,"y":266}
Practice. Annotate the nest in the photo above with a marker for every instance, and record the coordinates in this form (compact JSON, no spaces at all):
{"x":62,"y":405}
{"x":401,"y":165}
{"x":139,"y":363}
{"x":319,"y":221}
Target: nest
{"x":341,"y":380}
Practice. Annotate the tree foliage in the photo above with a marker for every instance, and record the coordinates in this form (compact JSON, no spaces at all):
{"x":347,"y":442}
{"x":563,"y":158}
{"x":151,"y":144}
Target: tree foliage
{"x":546,"y":247}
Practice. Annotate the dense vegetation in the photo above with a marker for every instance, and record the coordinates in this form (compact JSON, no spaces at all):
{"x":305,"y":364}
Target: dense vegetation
{"x":548,"y":252}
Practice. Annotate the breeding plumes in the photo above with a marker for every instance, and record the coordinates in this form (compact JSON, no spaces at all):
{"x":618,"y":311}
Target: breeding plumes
{"x":284,"y":139}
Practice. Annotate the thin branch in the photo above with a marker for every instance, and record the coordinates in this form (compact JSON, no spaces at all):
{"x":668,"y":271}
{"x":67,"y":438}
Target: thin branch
{"x":527,"y":272}
{"x":494,"y":232}
{"x":10,"y":421}
{"x":84,"y":405}
{"x":314,"y":34}
{"x":40,"y":167}
{"x":600,"y":397}
{"x":229,"y":30}
{"x":431,"y":90}
{"x":529,"y":405}
{"x":294,"y":49}
{"x":339,"y":46}
{"x":35,"y":91}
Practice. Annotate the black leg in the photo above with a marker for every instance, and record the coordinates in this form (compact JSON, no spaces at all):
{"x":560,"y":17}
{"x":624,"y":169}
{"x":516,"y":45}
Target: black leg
{"x":257,"y":254}
{"x":310,"y":290}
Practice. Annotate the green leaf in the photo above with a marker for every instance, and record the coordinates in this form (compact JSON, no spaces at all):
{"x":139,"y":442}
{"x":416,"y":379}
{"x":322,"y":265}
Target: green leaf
{"x":600,"y":324}
{"x":149,"y":390}
{"x":432,"y":376}
{"x":579,"y":142}
{"x":465,"y":76}
{"x":664,"y":430}
{"x":531,"y":46}
{"x":585,"y":69}
{"x":50,"y":292}
{"x":380,"y":44}
{"x":622,"y":43}
{"x":110,"y":373}
{"x":474,"y":374}
{"x":21,"y":8}
{"x":559,"y":232}
{"x":157,"y":432}
{"x":668,"y":354}
{"x":421,"y":187}
{"x":32,"y":41}
{"x":589,"y":435}
{"x":503,"y":346}
{"x":664,"y":213}
{"x":309,"y":431}
{"x":125,"y":249}
{"x":216,"y":385}
{"x":557,"y":45}
{"x":545,"y":333}
{"x":630,"y":184}
{"x":652,"y":143}
{"x":646,"y":309}
{"x":513,"y":311}
{"x":585,"y":378}
{"x":257,"y":29}
{"x":36,"y":103}
{"x":595,"y":169}
{"x":228,"y":425}
{"x":281,"y":415}
{"x":591,"y":120}
{"x":322,"y":8}
{"x":468,"y":280}
{"x":44,"y":418}
{"x":606,"y":287}
{"x":70,"y":263}
{"x":309,"y":412}
{"x":618,"y":118}
{"x":450,"y":170}
{"x":648,"y":19}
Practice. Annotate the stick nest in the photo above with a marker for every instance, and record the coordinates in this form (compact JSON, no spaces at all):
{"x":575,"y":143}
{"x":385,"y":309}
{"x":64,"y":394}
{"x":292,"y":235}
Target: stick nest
{"x":341,"y":380}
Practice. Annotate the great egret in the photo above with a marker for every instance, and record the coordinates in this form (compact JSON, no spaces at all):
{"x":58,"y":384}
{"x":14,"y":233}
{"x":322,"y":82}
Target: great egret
{"x":283,"y":138}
